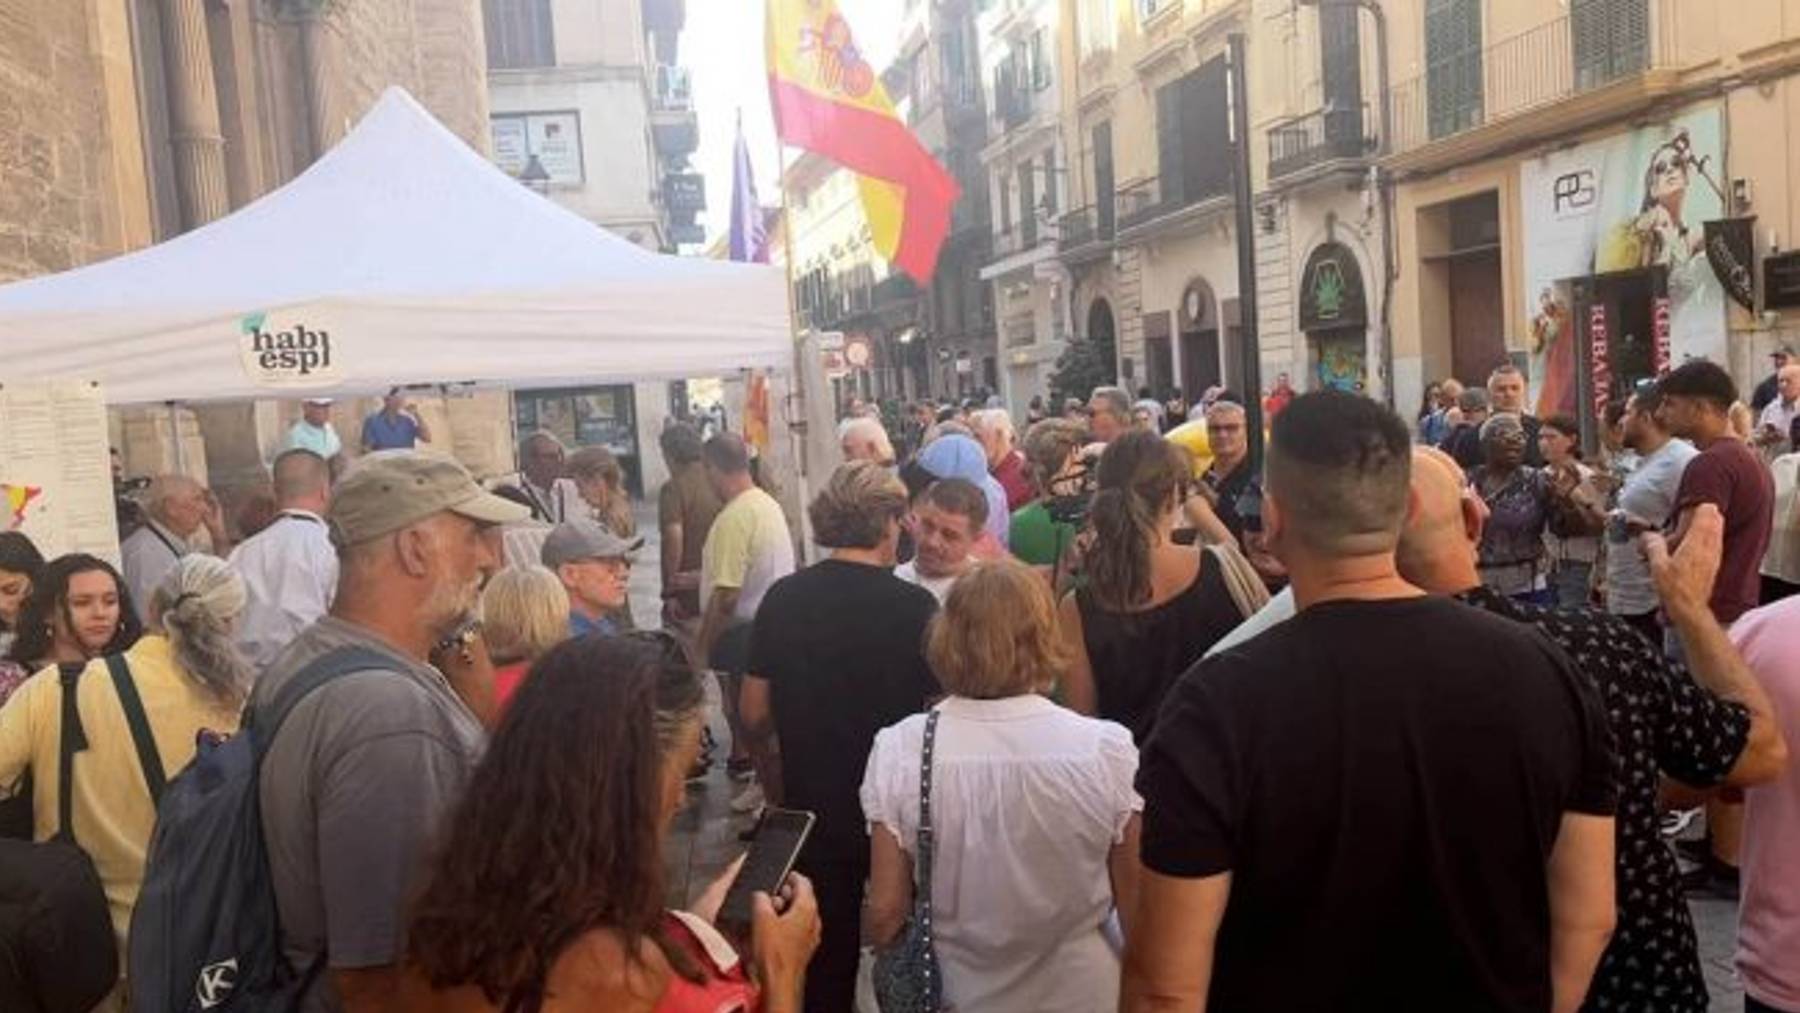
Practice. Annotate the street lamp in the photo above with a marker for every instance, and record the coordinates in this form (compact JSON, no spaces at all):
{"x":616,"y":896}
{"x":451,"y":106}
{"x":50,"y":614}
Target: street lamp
{"x":535,"y":176}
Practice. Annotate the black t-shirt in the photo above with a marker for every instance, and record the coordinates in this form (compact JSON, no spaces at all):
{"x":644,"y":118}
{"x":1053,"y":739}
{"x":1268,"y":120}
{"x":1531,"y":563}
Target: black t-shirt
{"x":843,"y":647}
{"x":1384,"y":782}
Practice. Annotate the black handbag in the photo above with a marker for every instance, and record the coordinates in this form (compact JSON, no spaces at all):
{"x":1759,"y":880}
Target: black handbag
{"x":906,"y":975}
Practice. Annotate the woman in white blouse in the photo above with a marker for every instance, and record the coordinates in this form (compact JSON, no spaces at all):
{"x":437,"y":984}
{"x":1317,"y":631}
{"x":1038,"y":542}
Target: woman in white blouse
{"x":1034,"y":814}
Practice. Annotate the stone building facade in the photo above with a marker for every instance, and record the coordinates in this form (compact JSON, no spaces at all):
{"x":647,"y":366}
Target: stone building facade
{"x":127,"y":123}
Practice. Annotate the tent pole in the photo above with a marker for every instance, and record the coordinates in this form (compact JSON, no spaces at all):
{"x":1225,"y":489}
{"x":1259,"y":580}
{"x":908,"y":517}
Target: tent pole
{"x":175,"y":437}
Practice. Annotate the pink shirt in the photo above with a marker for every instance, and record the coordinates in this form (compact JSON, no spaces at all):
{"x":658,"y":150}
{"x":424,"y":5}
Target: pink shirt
{"x":1769,"y":913}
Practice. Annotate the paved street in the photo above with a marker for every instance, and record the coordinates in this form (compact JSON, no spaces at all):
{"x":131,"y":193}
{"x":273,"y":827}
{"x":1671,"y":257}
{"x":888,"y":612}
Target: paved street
{"x":704,"y":839}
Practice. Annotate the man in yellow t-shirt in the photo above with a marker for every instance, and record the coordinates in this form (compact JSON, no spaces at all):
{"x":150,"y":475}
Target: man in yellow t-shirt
{"x":747,"y":549}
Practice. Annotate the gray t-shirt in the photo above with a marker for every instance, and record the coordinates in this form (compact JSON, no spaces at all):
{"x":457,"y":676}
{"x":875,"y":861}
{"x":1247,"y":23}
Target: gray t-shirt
{"x":353,"y":789}
{"x":1649,"y":496}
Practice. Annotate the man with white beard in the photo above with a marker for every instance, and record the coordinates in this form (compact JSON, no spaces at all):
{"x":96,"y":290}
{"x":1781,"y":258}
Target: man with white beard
{"x":359,"y":774}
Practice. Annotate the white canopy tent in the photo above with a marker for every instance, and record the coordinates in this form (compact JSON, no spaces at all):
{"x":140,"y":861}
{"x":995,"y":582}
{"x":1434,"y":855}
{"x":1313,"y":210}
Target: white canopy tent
{"x":402,"y":256}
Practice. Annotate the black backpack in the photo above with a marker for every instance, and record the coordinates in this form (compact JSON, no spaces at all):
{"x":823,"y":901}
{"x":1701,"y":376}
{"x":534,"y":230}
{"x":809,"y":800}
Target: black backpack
{"x":57,"y":949}
{"x":206,"y":932}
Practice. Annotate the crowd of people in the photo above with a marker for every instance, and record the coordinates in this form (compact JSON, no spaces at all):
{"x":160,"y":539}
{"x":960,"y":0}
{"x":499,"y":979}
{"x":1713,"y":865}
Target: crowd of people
{"x":1401,"y":715}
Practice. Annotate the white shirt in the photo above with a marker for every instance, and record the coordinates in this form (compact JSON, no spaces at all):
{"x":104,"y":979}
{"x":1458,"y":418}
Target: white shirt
{"x":1648,"y":495}
{"x":290,"y":573}
{"x":560,"y":502}
{"x":1782,"y":560}
{"x":147,"y":557}
{"x":938,"y":586}
{"x":1779,"y":415}
{"x":1028,"y":800}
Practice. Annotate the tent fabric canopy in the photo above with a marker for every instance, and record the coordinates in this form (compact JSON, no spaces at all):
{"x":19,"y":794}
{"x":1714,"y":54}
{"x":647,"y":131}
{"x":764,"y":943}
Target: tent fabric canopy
{"x":401,"y":256}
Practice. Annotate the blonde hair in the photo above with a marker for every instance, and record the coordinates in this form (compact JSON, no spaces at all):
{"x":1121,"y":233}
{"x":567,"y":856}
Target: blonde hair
{"x":996,"y":635}
{"x":853,"y":509}
{"x":524,"y":613}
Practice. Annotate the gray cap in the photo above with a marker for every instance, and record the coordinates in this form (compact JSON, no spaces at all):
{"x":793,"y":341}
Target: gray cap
{"x":387,"y":491}
{"x":576,"y":540}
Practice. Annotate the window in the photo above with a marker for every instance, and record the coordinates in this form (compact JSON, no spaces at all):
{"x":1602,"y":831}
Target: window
{"x":1148,"y":9}
{"x":1103,"y":178}
{"x":1012,"y":96}
{"x":1611,"y":39}
{"x":1006,"y":206}
{"x":1040,"y":60}
{"x":1193,"y":147}
{"x":518,"y":33}
{"x":1453,"y":90}
{"x":1096,"y":28}
{"x":955,"y":58}
{"x":1028,"y":211}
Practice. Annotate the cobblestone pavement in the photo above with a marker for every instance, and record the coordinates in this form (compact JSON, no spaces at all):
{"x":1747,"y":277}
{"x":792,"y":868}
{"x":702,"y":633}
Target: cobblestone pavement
{"x":705,"y":836}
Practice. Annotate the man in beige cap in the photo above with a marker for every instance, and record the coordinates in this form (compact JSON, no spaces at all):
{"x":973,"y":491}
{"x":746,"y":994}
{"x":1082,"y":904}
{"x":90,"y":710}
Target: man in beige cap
{"x":357,"y":777}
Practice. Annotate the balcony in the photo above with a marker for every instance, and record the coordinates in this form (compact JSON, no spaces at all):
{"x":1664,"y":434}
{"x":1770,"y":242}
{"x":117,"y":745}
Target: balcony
{"x":1146,"y":209}
{"x":673,"y":123}
{"x":1321,"y":137}
{"x":1084,"y":231}
{"x":1581,"y":69}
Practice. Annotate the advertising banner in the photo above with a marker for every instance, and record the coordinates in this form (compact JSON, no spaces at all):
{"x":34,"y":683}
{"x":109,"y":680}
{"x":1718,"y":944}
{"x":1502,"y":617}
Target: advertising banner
{"x":1626,"y":202}
{"x":55,"y":471}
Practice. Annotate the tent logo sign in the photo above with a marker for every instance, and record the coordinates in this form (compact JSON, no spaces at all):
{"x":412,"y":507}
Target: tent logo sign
{"x":296,"y":354}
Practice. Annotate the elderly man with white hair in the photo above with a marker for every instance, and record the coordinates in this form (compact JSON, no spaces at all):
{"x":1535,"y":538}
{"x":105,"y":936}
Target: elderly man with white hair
{"x":862,"y":438}
{"x":176,"y":507}
{"x":993,"y":428}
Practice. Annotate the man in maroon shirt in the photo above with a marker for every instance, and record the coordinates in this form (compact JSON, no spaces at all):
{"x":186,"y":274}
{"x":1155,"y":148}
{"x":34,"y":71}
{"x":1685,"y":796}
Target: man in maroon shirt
{"x":1696,"y":405}
{"x":994,"y":428}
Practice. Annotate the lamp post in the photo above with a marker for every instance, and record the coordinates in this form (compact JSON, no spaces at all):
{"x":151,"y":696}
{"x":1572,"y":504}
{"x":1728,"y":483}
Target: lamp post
{"x":535,"y":176}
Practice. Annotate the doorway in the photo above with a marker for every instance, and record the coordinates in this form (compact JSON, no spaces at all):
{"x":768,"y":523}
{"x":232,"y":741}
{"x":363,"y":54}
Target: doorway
{"x":1199,"y":362}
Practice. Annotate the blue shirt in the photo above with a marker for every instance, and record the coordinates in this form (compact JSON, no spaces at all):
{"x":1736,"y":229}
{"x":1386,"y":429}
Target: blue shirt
{"x":380,"y":434}
{"x":580,"y":625}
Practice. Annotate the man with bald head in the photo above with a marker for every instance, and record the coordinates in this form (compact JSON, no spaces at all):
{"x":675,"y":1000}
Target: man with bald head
{"x":1458,"y":855}
{"x":290,"y":569}
{"x":1715,"y":728}
{"x":1775,"y":427}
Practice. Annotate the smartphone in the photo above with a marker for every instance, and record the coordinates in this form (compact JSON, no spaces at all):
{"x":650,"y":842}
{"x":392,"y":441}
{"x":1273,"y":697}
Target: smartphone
{"x":779,"y":837}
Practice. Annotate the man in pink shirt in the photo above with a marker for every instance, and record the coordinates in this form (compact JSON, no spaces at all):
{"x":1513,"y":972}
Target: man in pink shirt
{"x":1769,"y":912}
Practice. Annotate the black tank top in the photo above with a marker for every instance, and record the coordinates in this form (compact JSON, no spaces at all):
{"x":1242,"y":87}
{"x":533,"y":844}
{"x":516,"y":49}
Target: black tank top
{"x":1137,"y":656}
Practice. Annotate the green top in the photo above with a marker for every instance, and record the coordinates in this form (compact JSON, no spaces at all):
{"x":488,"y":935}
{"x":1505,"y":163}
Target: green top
{"x":1036,"y":539}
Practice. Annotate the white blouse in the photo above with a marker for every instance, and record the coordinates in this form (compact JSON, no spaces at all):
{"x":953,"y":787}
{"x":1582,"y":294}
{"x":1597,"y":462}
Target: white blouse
{"x":1028,"y":800}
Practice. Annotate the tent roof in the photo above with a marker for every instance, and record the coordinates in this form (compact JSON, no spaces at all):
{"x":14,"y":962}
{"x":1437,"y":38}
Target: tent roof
{"x":421,"y":262}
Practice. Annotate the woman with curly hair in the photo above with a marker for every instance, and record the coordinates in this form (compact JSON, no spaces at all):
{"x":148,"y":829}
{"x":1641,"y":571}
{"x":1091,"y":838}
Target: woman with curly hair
{"x":78,"y":609}
{"x":547,"y":891}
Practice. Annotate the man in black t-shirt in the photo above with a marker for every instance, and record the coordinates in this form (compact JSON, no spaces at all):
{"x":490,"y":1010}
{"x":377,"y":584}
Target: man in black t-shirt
{"x":1334,"y":818}
{"x":836,"y":655}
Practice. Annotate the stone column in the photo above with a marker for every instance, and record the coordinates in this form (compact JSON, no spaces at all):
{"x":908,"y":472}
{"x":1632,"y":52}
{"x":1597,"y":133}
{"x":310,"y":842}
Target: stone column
{"x":194,"y":132}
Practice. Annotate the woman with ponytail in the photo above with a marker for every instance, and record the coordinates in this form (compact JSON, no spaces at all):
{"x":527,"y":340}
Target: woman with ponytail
{"x":1150,"y":608}
{"x":185,"y":675}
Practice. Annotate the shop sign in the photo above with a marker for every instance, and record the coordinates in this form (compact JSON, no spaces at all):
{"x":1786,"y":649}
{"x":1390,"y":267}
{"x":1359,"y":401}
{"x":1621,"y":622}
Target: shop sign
{"x":1781,"y":280}
{"x":1660,"y":310}
{"x":857,"y":351}
{"x":1331,"y":293}
{"x":685,"y":191}
{"x":555,"y":138}
{"x":1731,"y":249}
{"x":1635,"y":201}
{"x":1599,"y":366}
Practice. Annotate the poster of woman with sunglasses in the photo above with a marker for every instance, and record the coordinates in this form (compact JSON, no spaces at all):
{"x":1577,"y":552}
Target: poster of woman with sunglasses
{"x":1628,"y":202}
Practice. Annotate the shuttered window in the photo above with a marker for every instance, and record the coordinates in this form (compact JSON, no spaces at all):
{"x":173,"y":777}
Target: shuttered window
{"x":518,"y":33}
{"x":1610,"y":38}
{"x":1453,"y":65}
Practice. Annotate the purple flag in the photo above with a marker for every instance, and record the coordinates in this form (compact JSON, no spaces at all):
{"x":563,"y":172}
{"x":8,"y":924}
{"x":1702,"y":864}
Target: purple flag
{"x":749,"y":237}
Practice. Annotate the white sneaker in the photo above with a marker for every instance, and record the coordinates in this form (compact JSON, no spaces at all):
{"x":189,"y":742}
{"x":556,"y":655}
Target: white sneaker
{"x":749,"y":799}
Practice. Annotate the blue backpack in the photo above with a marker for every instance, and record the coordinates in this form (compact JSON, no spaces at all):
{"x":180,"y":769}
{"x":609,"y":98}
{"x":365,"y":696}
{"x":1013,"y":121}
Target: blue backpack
{"x":206,"y":934}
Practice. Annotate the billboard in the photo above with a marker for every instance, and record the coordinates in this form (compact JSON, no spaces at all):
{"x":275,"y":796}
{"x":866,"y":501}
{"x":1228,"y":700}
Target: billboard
{"x":1626,"y":202}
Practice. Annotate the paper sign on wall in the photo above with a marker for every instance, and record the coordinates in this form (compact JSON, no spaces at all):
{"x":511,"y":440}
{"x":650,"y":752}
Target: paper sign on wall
{"x":55,"y":468}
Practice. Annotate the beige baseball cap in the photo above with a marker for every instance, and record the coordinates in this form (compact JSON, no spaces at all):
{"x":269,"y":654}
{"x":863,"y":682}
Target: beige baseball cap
{"x":389,"y":490}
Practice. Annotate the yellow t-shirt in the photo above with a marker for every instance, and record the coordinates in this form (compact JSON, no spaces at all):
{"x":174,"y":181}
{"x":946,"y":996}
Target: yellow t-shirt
{"x":112,"y":814}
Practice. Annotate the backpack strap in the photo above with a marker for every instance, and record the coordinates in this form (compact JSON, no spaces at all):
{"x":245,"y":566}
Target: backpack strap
{"x":265,"y":721}
{"x":71,"y":739}
{"x":140,"y":726}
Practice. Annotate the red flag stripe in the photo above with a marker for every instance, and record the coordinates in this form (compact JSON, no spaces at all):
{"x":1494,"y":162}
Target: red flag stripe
{"x":879,"y":146}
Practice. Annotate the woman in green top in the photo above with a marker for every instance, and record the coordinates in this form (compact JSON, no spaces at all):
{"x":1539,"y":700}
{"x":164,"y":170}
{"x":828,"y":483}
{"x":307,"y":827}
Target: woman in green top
{"x":1043,"y":531}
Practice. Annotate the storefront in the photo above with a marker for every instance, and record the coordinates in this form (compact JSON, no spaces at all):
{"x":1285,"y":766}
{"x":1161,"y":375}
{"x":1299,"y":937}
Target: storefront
{"x":586,"y":417}
{"x":1619,"y":284}
{"x":1334,"y":314}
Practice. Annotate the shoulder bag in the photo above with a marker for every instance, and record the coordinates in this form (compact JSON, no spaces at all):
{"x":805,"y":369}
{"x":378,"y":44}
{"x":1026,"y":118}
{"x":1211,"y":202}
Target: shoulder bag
{"x":906,"y":975}
{"x":1248,"y":592}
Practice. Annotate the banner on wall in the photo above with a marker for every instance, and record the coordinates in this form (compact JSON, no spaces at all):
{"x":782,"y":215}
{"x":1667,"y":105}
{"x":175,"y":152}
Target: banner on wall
{"x":1627,"y":202}
{"x":55,"y":471}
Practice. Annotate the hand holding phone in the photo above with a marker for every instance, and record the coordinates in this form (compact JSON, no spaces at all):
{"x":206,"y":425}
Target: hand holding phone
{"x":779,"y":837}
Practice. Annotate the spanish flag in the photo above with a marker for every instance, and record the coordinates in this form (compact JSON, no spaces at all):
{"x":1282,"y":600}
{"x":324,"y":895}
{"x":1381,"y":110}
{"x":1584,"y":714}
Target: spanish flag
{"x":828,"y":100}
